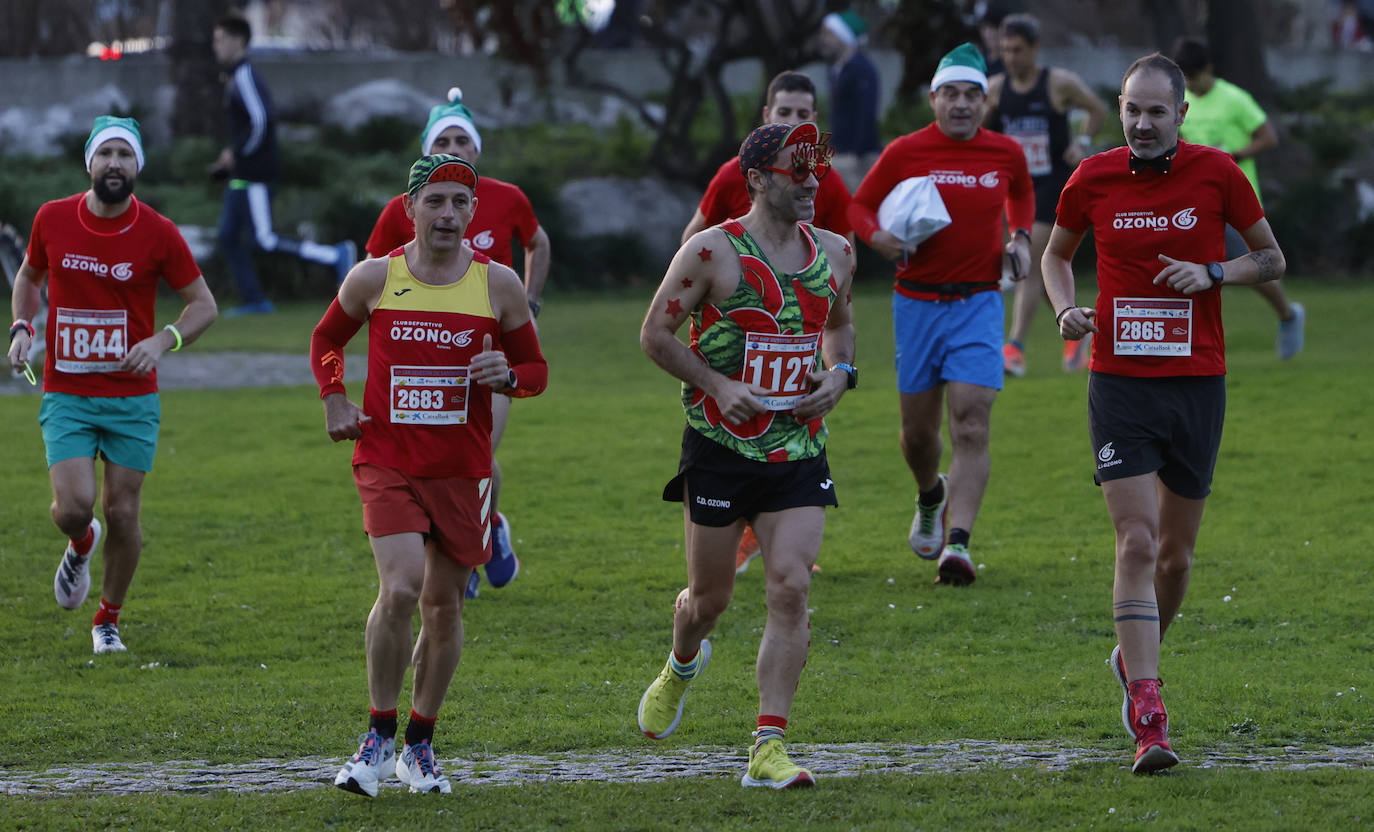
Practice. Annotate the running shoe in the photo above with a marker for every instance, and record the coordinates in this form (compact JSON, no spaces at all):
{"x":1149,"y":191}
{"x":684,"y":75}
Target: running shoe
{"x":504,"y":565}
{"x":927,"y":534}
{"x":420,"y":771}
{"x":749,"y":549}
{"x":1292,"y":333}
{"x":105,"y":639}
{"x":660,"y":709}
{"x":374,"y":762}
{"x":1151,"y":723}
{"x":770,"y":766}
{"x":1118,"y":667}
{"x":348,"y":257}
{"x":474,"y":585}
{"x":1013,"y":361}
{"x":72,"y":582}
{"x":956,"y":566}
{"x":1077,"y":353}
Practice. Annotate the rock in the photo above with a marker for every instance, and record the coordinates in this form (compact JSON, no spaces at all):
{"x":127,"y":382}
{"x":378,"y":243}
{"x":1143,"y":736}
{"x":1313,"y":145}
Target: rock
{"x":36,"y":130}
{"x":653,"y":209}
{"x":357,"y":106}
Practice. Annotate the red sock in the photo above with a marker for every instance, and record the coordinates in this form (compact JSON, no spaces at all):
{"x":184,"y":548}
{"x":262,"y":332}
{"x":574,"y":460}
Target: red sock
{"x":83,"y":544}
{"x":770,"y":721}
{"x":107,"y":614}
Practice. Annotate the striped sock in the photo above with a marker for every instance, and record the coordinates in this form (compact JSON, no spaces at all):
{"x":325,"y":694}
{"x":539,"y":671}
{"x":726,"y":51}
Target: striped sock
{"x":383,"y":722}
{"x":107,"y":614}
{"x":420,"y":728}
{"x":685,"y":669}
{"x":770,"y":728}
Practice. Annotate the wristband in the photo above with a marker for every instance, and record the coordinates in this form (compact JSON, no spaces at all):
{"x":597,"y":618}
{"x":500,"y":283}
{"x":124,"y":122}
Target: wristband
{"x":19,"y":324}
{"x":1058,"y":319}
{"x":176,"y":333}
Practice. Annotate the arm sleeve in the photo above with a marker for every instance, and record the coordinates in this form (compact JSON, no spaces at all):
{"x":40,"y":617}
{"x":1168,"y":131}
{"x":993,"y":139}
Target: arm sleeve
{"x":1242,"y":208}
{"x":179,"y":267}
{"x":37,"y":253}
{"x":327,"y":342}
{"x":522,"y":354}
{"x":1021,"y":195}
{"x":1072,"y":214}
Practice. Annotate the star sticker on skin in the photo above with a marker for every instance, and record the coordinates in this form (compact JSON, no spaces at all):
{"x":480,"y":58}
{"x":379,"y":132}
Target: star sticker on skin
{"x":848,"y":249}
{"x":704,"y":254}
{"x":674,"y":308}
{"x":686,"y":282}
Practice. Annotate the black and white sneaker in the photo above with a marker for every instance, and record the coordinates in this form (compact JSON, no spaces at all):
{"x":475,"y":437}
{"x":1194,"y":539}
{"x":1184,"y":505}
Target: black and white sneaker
{"x":73,"y":579}
{"x":105,"y":638}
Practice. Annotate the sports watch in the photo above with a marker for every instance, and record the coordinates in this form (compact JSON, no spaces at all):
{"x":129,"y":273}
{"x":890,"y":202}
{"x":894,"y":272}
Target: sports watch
{"x":510,"y":379}
{"x":1215,"y":272}
{"x":851,"y":371}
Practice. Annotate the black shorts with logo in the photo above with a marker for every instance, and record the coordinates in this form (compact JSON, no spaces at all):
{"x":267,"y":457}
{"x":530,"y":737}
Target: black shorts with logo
{"x":722,"y":486}
{"x":1167,"y":425}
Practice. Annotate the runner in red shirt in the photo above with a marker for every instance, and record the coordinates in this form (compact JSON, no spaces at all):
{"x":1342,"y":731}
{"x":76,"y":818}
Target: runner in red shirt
{"x":442,"y":321}
{"x":1158,"y":210}
{"x":791,"y":100}
{"x":103,"y":253}
{"x":947,"y":311}
{"x":504,"y":215}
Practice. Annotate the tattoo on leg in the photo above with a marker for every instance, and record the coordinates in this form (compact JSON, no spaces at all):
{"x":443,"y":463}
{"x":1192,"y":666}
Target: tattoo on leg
{"x":1266,"y":262}
{"x":1134,"y":609}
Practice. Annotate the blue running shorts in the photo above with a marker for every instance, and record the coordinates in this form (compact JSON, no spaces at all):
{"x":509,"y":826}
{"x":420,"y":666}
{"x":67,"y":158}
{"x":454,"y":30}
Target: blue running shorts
{"x":948,"y":340}
{"x":123,"y":429}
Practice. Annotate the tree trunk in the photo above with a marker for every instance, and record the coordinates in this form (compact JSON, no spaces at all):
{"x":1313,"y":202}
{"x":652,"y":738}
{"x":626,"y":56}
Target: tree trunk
{"x":192,"y":70}
{"x":1233,"y":35}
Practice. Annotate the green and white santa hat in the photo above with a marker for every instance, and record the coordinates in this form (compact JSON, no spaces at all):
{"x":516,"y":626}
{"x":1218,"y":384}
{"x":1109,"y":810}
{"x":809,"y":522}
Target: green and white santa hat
{"x":847,"y":26}
{"x":444,"y":116}
{"x":114,"y":127}
{"x":962,"y":63}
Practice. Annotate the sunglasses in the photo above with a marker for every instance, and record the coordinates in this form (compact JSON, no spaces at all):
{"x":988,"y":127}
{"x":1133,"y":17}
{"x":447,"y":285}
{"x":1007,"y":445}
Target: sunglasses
{"x":807,"y":160}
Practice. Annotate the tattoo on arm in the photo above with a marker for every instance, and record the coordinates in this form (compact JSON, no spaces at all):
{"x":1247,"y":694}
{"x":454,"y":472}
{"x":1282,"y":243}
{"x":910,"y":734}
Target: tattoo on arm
{"x":1266,"y":262}
{"x":674,"y":308}
{"x":1136,"y":610}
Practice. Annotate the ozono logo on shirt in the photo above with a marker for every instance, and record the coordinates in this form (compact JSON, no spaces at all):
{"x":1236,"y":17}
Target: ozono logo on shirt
{"x":953,"y":177}
{"x":1182,"y":220}
{"x":989,"y":179}
{"x":430,"y":333}
{"x":483,"y":241}
{"x":86,"y":263}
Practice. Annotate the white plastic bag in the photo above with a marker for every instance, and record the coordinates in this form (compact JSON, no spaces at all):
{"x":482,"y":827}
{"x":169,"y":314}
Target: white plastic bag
{"x":913,"y":211}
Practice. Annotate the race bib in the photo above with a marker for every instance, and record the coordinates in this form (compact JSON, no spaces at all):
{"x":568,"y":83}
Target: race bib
{"x":90,"y":340}
{"x":781,"y":364}
{"x":1153,"y":326}
{"x":1037,"y":148}
{"x":429,"y":395}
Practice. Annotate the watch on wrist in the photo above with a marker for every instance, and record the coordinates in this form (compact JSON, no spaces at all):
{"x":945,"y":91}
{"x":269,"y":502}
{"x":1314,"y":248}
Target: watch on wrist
{"x":1215,"y":272}
{"x":510,"y":379}
{"x":852,"y":372}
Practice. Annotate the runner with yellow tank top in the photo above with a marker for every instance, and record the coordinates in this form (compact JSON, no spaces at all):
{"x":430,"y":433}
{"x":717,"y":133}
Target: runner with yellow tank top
{"x":446,"y":329}
{"x":771,"y":342}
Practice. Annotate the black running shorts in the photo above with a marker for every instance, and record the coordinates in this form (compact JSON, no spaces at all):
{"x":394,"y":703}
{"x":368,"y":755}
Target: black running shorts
{"x":722,"y":486}
{"x":1171,"y":426}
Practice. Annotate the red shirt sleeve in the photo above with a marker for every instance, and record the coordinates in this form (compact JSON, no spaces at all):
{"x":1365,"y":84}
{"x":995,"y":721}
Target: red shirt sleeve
{"x":523,"y":222}
{"x":714,"y":206}
{"x":1241,"y":207}
{"x":1021,"y":195}
{"x":1072,"y":212}
{"x":37,"y":252}
{"x":179,"y":267}
{"x":833,"y":199}
{"x":393,"y":229}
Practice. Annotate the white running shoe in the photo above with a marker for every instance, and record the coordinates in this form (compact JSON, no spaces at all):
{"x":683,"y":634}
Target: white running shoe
{"x":420,"y":771}
{"x":374,"y":762}
{"x":105,"y":639}
{"x":1118,"y":667}
{"x":927,"y":535}
{"x":72,"y":582}
{"x":1292,"y":333}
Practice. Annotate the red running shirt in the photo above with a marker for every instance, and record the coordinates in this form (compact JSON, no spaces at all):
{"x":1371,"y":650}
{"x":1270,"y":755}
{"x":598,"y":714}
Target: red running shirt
{"x":1134,"y":219}
{"x":727,"y":198}
{"x":427,"y":420}
{"x":102,"y":289}
{"x":503,"y":214}
{"x":978,"y":180}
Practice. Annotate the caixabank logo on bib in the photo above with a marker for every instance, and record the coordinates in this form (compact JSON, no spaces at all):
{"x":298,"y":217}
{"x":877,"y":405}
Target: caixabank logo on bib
{"x":86,"y":263}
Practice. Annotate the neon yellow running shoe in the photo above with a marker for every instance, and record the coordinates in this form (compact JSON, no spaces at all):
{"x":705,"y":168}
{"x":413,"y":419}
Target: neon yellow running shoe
{"x":660,"y":709}
{"x":770,"y":766}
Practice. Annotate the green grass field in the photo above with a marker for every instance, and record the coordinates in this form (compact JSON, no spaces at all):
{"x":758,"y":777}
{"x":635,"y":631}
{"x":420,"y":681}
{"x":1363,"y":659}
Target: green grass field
{"x":245,"y":619}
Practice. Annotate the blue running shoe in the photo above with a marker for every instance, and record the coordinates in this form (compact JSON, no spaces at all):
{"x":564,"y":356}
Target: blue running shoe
{"x":474,"y":585}
{"x":504,"y":565}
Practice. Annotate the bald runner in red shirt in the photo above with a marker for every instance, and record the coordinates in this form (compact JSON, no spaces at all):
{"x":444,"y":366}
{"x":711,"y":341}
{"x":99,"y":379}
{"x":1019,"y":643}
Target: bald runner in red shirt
{"x":1158,"y":210}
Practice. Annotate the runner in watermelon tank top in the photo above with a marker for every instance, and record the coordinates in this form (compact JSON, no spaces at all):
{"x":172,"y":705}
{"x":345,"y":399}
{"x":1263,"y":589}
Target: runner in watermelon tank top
{"x":447,"y":330}
{"x":1158,"y":210}
{"x":505,"y":217}
{"x":102,"y":254}
{"x":771,"y":339}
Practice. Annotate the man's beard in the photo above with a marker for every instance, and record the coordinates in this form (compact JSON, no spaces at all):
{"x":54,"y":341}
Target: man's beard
{"x":115,"y":195}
